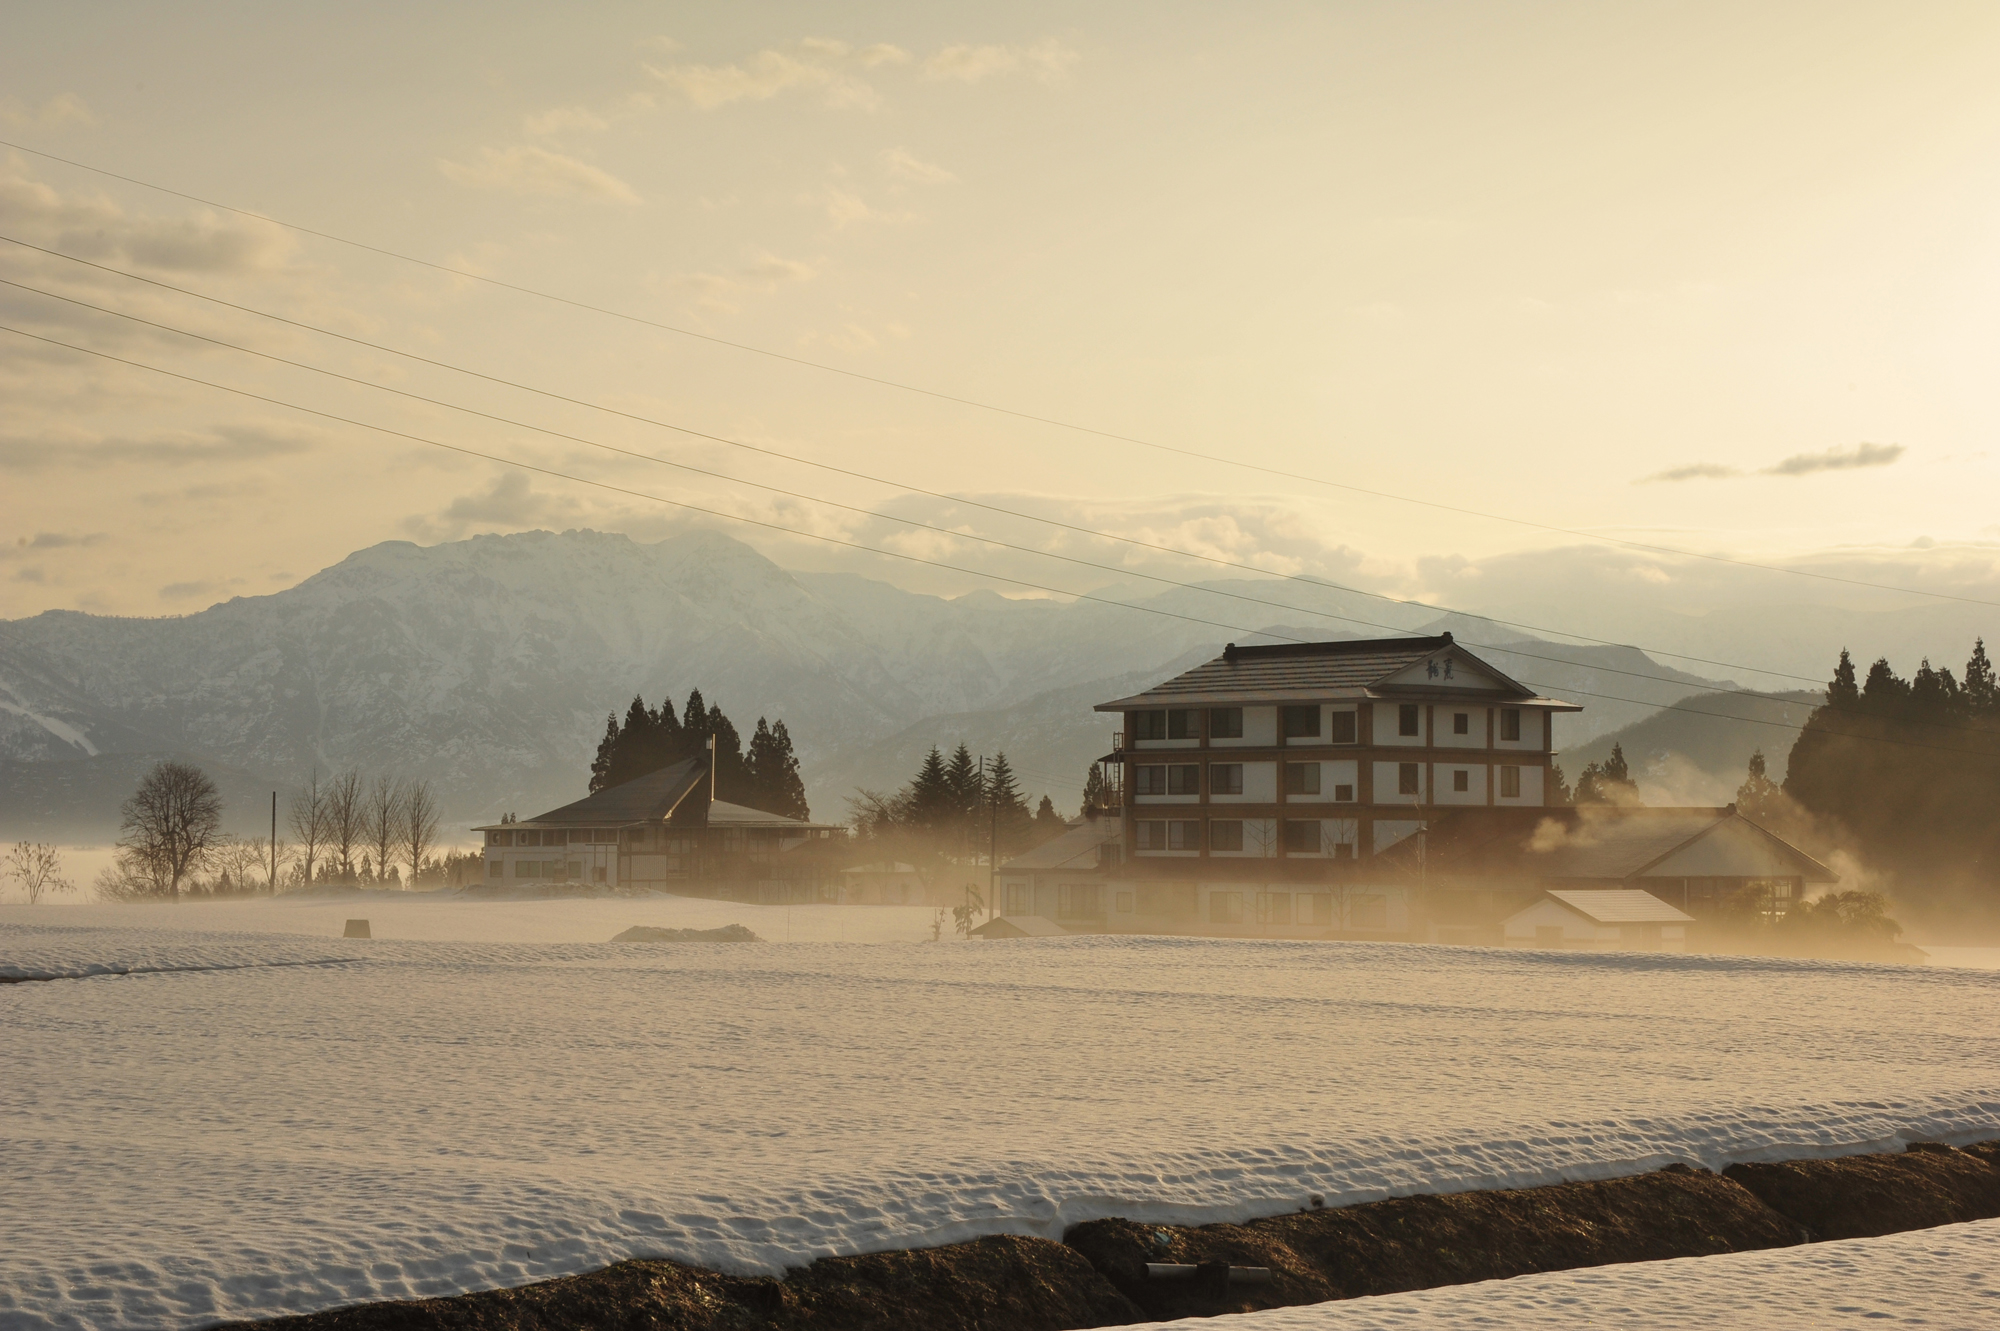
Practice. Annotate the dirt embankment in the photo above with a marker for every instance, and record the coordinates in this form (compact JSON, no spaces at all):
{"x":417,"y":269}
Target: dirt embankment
{"x":1097,"y":1276}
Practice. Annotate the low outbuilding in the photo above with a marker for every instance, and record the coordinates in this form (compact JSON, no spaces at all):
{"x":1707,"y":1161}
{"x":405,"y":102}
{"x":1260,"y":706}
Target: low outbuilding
{"x":1599,"y":919}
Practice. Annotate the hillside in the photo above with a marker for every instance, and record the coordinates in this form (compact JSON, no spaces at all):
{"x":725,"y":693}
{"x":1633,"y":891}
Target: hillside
{"x":1698,"y":752}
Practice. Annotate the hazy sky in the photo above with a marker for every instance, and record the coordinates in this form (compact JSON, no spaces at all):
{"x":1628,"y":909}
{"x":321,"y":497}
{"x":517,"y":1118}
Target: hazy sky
{"x":1714,"y":276}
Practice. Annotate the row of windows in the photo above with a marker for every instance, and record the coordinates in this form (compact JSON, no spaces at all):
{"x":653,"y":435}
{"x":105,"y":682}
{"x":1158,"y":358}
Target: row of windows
{"x":1299,"y":722}
{"x":555,"y":836}
{"x":1299,"y":836}
{"x":1300,"y":779}
{"x":1370,"y":911}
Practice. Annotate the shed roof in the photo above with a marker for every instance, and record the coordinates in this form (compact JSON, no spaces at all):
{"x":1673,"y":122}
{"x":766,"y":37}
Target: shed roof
{"x":1074,"y":849}
{"x":1619,"y":905}
{"x":1020,"y":926}
{"x":1321,"y":670}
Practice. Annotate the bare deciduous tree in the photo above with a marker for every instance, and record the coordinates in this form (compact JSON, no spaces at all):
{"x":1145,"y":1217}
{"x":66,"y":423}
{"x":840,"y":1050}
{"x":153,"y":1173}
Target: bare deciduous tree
{"x":346,"y":816}
{"x":237,"y":858}
{"x":385,"y":821}
{"x":307,"y":817}
{"x":37,"y":868}
{"x":171,"y":823}
{"x":420,"y":824}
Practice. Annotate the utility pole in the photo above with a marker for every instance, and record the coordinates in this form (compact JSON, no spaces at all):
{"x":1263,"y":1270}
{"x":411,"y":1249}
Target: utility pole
{"x":273,"y":881}
{"x":992,"y":849}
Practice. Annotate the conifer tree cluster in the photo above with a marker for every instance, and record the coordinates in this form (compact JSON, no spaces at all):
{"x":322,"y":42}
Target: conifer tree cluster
{"x":956,"y":809}
{"x":765,"y":777}
{"x":1911,"y":769}
{"x":1608,"y":782}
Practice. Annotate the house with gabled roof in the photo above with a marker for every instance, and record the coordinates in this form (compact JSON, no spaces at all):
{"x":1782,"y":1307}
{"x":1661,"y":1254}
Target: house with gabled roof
{"x":664,"y":831}
{"x":1598,"y":919}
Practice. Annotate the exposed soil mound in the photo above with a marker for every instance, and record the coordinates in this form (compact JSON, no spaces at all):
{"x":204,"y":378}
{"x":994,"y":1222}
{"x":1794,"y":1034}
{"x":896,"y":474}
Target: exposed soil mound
{"x":986,"y":1285}
{"x":1421,"y":1242}
{"x":1862,"y":1196}
{"x":728,"y":933}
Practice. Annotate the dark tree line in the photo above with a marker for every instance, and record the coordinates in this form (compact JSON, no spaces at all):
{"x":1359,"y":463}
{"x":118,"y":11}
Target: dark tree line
{"x":957,"y":808}
{"x":1911,"y":768}
{"x":765,"y":777}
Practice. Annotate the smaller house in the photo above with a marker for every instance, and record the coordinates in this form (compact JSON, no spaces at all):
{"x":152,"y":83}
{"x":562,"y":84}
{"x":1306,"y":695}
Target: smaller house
{"x":885,"y":883}
{"x":1600,"y":919}
{"x":1064,"y":879}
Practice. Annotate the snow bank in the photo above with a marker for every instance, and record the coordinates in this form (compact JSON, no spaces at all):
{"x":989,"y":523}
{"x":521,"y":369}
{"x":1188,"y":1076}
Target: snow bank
{"x":1929,"y":1277}
{"x":427,"y":1117}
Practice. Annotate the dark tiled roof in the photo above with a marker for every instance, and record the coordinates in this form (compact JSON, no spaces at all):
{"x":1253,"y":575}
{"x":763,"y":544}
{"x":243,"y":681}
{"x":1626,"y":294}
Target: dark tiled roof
{"x":646,"y":799}
{"x":1586,"y":842}
{"x":1305,"y":670}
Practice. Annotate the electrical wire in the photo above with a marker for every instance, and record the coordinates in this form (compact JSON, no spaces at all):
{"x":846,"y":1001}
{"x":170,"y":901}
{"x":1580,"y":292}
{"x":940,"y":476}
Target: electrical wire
{"x":1000,"y":410}
{"x":856,"y":545}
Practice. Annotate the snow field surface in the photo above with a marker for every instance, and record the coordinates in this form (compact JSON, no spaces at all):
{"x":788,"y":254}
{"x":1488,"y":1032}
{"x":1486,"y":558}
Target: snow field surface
{"x":1946,"y":1277}
{"x":406,"y":1117}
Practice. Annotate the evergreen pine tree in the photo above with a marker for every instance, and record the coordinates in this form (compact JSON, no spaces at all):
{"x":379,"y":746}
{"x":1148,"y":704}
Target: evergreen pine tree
{"x":1758,"y":794}
{"x":771,"y":772}
{"x":1884,"y":692}
{"x":1008,"y":821}
{"x":1093,"y":789}
{"x":1559,"y":792}
{"x":1934,"y":694}
{"x":607,"y":750}
{"x":628,"y":757}
{"x":931,"y":802}
{"x":1981,"y":690}
{"x":968,"y":789}
{"x":1048,"y":823}
{"x":731,"y":775}
{"x":669,"y":745}
{"x":1841,"y":691}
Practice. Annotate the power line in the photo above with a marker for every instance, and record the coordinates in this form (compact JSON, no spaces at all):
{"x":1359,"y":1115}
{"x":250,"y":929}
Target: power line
{"x":843,"y":471}
{"x":815,"y":499}
{"x":994,"y":407}
{"x":856,"y":545}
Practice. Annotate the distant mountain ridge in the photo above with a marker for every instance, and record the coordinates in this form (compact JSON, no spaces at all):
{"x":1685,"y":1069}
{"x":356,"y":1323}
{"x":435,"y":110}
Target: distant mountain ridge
{"x":487,"y":666}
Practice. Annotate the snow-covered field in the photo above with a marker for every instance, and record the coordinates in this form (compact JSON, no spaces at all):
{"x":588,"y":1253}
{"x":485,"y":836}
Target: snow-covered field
{"x":309,"y":1121}
{"x":1948,"y":1277}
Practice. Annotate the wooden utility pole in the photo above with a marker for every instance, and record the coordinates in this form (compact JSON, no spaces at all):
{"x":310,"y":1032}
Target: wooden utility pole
{"x":273,"y":847}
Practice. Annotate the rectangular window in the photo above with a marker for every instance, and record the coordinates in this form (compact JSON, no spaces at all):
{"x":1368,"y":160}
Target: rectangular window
{"x":1225,"y":834}
{"x":1343,"y":794}
{"x":1149,"y":725}
{"x":1369,"y":912}
{"x":1274,"y":908}
{"x":1341,"y":724}
{"x":1315,"y":908}
{"x":1225,"y":778}
{"x":1184,"y":779}
{"x":1301,"y":722}
{"x":574,"y":869}
{"x":1225,"y":908}
{"x":1124,"y":903}
{"x":1406,"y":779}
{"x":1183,"y":834}
{"x":1016,"y":898}
{"x":1461,"y":780}
{"x":1302,"y":778}
{"x":1149,"y":834}
{"x":1184,"y":723}
{"x":1079,"y":901}
{"x":1510,"y":723}
{"x":1225,"y":723}
{"x":1149,"y":781}
{"x":1461,"y":723}
{"x":1510,"y":783}
{"x":494,"y":868}
{"x":1407,"y":720}
{"x":1302,"y":836}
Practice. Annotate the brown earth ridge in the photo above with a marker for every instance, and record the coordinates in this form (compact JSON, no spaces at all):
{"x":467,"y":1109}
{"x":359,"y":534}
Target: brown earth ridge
{"x":1096,"y":1276}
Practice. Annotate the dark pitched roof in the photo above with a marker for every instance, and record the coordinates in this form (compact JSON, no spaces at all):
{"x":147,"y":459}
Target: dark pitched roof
{"x":645,"y":799}
{"x":1602,"y":843}
{"x":1074,"y":849}
{"x":1304,"y":670}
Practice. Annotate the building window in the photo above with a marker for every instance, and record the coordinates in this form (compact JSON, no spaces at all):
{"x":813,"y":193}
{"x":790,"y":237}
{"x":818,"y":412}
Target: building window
{"x":1184,"y":779}
{"x":1369,"y":912}
{"x":1183,"y":834}
{"x":1079,"y":901}
{"x":1315,"y":908}
{"x":1341,"y":726}
{"x":1510,"y":723}
{"x":1149,"y":834}
{"x":1302,"y":778}
{"x":1461,"y":723}
{"x":1510,"y":783}
{"x":1149,"y":781}
{"x":1343,"y":794}
{"x":1016,"y":895}
{"x":1407,"y":721}
{"x":1301,"y":722}
{"x":1461,"y":779}
{"x":1149,"y":725}
{"x":1124,"y":903}
{"x":1225,"y":778}
{"x":1225,"y":834}
{"x":1225,"y":723}
{"x":1184,"y":723}
{"x":1302,"y":836}
{"x":1225,"y":908}
{"x":1406,"y":779}
{"x":495,"y":868}
{"x":1274,"y":908}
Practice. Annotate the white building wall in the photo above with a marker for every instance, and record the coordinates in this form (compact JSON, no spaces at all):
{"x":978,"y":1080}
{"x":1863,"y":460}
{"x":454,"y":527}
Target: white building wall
{"x":1475,"y":781}
{"x":1531,"y":788}
{"x":1534,"y":731}
{"x":1475,"y":726}
{"x":1387,"y":776}
{"x":1260,"y":730}
{"x":1388,"y":717}
{"x":1260,"y":786}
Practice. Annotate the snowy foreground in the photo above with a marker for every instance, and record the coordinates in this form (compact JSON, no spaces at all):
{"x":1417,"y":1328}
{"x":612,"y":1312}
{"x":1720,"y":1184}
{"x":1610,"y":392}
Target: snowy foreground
{"x":256,"y":1122}
{"x":1947,"y":1277}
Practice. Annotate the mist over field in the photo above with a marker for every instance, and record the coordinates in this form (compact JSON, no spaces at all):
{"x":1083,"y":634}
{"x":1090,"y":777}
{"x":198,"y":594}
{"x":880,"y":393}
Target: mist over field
{"x":922,"y":666}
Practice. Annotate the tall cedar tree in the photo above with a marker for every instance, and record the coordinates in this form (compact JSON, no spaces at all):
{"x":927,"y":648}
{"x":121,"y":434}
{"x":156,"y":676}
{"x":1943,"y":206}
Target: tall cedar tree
{"x":932,"y":805}
{"x":1609,"y":782}
{"x":1912,"y":769}
{"x":1007,"y":820}
{"x":774,"y":772}
{"x":648,"y":740}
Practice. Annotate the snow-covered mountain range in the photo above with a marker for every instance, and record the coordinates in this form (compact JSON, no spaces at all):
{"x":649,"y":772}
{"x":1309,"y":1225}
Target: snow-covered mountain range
{"x":488,"y":666}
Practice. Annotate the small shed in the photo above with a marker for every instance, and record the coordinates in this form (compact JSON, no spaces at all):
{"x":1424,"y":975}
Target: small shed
{"x":1020,"y":926}
{"x":886,"y":883}
{"x":1604,"y":919}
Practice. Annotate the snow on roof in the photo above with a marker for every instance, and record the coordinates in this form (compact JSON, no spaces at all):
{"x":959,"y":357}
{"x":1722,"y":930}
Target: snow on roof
{"x":882,"y":866}
{"x":1021,"y":926}
{"x":1074,"y":849}
{"x":1619,"y":905}
{"x":1600,"y":842}
{"x":656,"y":796}
{"x":721,"y":813}
{"x":1315,"y":670}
